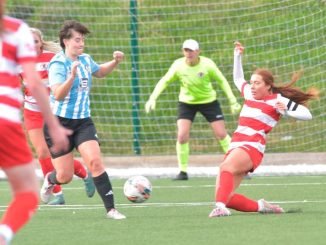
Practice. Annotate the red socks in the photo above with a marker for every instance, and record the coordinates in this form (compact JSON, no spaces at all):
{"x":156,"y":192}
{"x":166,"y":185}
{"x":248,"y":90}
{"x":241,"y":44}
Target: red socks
{"x":20,"y":210}
{"x":236,"y":201}
{"x":79,"y":169}
{"x":46,"y":165}
{"x":242,"y":203}
{"x":225,"y":188}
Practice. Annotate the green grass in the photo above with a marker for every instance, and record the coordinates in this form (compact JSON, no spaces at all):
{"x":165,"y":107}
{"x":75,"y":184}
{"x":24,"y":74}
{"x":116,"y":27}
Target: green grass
{"x":177,"y":213}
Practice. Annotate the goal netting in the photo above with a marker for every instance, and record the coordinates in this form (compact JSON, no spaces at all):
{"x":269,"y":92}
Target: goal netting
{"x":284,"y":36}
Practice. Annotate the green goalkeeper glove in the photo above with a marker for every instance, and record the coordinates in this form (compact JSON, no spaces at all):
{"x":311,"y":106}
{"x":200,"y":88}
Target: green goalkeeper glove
{"x":150,"y":105}
{"x":235,"y":108}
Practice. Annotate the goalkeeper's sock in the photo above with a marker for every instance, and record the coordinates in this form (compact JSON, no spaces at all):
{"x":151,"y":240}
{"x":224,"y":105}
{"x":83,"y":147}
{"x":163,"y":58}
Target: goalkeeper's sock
{"x":225,"y":143}
{"x":79,"y":169}
{"x":242,"y":203}
{"x":104,"y":189}
{"x":20,"y":210}
{"x":223,"y":192}
{"x":183,"y":156}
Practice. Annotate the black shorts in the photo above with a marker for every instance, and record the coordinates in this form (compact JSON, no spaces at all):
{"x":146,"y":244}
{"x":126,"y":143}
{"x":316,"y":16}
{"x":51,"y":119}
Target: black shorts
{"x":83,"y":130}
{"x":211,"y":111}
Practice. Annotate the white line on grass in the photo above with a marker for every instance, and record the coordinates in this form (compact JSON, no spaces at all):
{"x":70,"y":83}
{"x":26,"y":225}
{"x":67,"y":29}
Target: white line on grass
{"x":204,"y":186}
{"x":146,"y":205}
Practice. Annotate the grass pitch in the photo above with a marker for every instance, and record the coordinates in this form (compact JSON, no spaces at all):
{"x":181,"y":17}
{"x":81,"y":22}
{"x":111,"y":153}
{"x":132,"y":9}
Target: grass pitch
{"x":177,"y":213}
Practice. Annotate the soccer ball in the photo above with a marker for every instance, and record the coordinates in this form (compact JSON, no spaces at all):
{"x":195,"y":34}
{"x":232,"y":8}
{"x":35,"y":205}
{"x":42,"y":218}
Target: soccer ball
{"x":137,"y":189}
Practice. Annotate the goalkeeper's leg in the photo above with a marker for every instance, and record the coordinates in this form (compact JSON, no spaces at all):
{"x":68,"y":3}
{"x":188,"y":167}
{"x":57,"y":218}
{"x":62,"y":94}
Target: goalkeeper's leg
{"x":221,"y":134}
{"x":183,"y":159}
{"x":182,"y":148}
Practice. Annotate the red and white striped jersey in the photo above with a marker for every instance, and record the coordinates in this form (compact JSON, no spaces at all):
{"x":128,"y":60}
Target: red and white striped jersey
{"x":257,"y":118}
{"x":42,"y":63}
{"x":16,"y":47}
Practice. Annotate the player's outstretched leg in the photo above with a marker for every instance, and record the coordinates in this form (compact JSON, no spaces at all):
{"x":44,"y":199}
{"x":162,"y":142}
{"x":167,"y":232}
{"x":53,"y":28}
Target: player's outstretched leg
{"x":268,"y":208}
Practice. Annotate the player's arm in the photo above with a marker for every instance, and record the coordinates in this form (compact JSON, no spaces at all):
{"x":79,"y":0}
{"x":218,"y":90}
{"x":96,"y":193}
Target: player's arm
{"x":108,"y":67}
{"x":169,"y":77}
{"x":289,"y":108}
{"x":38,"y":90}
{"x":60,"y":85}
{"x":225,"y":86}
{"x":238,"y":75}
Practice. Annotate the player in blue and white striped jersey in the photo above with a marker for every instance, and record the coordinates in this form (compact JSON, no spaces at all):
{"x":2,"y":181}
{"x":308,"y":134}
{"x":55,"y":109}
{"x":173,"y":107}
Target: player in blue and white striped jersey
{"x":70,"y":79}
{"x":75,"y":105}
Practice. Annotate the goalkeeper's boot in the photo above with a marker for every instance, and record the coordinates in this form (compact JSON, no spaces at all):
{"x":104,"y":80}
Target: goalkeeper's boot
{"x":57,"y":200}
{"x":89,"y":185}
{"x":219,"y":211}
{"x":115,"y":214}
{"x":46,"y":189}
{"x":268,"y":208}
{"x":181,"y":176}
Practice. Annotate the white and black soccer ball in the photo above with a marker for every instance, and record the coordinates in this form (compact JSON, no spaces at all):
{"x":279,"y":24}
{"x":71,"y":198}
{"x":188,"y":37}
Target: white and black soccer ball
{"x":137,"y":189}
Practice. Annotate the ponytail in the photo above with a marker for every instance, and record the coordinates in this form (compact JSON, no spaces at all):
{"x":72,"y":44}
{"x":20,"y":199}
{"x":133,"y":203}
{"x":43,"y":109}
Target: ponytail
{"x":47,"y":45}
{"x":51,"y":46}
{"x":288,"y":90}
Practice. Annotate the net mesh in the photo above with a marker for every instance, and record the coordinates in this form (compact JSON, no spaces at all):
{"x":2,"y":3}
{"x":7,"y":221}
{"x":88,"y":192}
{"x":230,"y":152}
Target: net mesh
{"x":284,"y":36}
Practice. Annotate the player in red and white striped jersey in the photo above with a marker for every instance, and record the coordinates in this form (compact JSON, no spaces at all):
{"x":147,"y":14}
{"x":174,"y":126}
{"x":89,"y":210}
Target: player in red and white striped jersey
{"x":17,"y":48}
{"x":33,"y":119}
{"x":265,"y":104}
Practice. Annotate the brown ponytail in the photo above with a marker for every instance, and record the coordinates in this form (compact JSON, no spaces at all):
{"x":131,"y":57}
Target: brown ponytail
{"x":287,"y":90}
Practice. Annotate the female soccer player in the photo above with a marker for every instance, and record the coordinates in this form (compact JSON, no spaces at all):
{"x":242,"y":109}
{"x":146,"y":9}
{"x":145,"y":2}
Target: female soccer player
{"x":33,"y":119}
{"x":196,"y":75}
{"x":17,"y":49}
{"x":70,"y":78}
{"x":265,"y":104}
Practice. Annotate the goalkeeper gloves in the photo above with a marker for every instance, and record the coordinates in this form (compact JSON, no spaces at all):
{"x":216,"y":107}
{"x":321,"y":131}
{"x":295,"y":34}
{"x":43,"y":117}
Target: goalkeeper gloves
{"x":235,"y":108}
{"x":150,"y":105}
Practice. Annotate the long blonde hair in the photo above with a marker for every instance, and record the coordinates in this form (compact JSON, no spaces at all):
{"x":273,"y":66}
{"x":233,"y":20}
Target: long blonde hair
{"x":46,"y":45}
{"x":288,"y":90}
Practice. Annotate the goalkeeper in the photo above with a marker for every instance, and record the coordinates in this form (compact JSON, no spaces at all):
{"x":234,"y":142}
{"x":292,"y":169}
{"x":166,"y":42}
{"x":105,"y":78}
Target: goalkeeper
{"x":195,"y":74}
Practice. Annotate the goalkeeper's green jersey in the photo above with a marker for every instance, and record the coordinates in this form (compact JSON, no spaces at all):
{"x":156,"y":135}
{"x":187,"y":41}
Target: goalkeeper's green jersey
{"x":196,"y":82}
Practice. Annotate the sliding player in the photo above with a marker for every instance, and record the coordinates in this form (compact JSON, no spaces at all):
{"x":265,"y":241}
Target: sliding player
{"x":265,"y":104}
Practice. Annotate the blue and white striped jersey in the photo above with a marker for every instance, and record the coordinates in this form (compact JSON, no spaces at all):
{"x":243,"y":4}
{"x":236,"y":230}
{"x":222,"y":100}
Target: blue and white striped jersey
{"x":76,"y":105}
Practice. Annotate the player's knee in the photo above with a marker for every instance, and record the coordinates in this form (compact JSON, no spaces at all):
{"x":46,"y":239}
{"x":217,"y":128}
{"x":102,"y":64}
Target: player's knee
{"x":220,"y":135}
{"x":64,"y":177}
{"x":182,"y":139}
{"x":227,"y":167}
{"x":96,"y":165}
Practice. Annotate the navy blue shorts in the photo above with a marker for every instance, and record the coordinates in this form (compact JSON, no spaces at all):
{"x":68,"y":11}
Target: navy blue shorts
{"x":211,"y":111}
{"x":83,"y":130}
